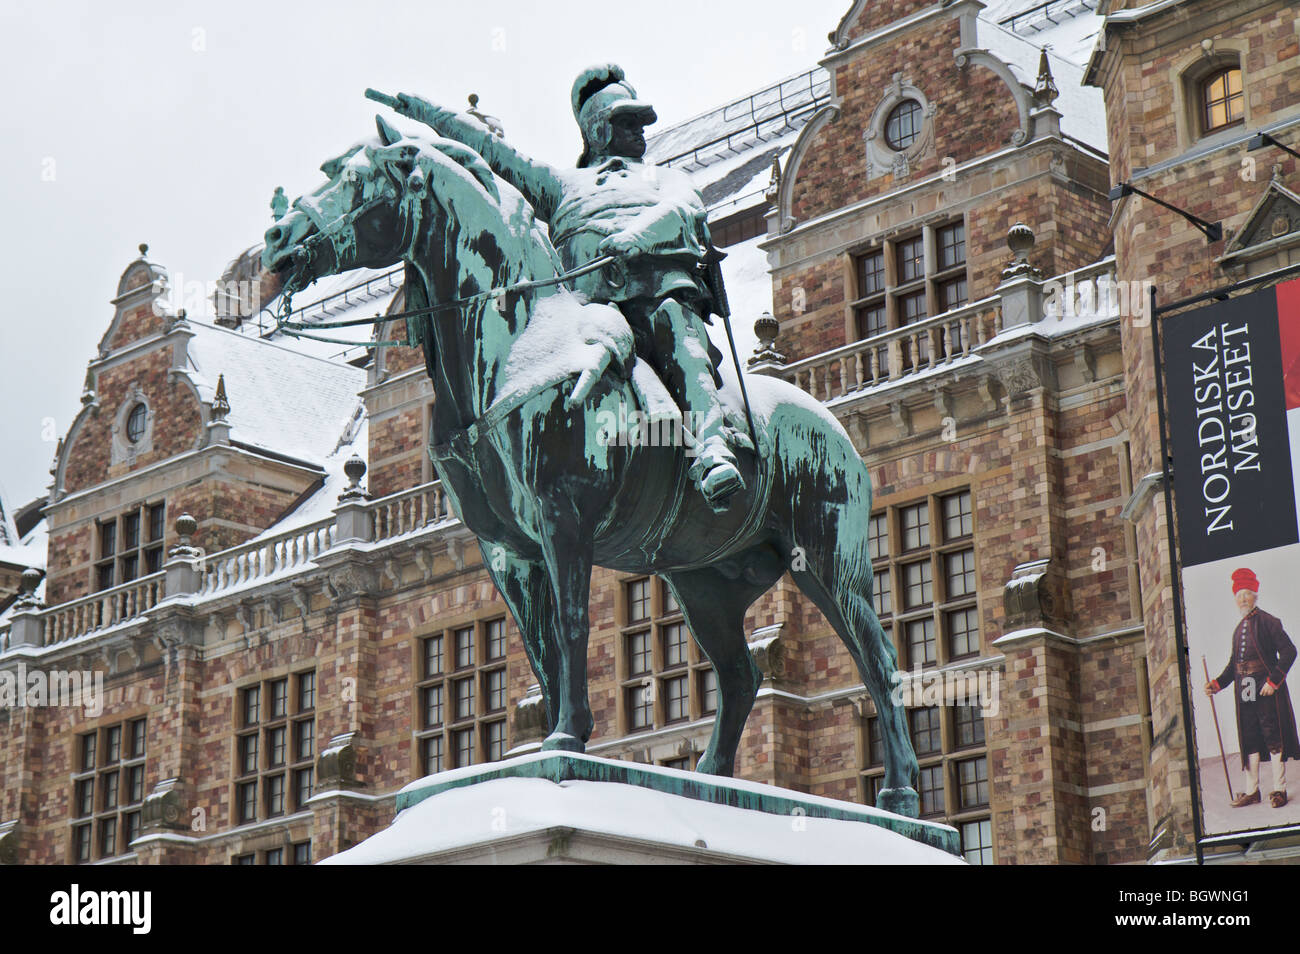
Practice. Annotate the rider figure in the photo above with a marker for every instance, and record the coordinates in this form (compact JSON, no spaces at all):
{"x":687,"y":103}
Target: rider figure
{"x":652,"y":219}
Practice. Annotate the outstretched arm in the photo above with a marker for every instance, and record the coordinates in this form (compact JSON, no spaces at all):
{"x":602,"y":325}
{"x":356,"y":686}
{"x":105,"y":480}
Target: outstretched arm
{"x":538,"y":181}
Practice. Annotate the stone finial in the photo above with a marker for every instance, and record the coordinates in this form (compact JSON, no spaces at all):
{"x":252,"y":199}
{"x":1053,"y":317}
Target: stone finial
{"x":186,"y":527}
{"x":1020,"y":239}
{"x":774,"y":186}
{"x":491,"y":122}
{"x":766,"y":328}
{"x":88,"y":395}
{"x":220,"y":403}
{"x":354,"y":468}
{"x":144,"y":249}
{"x":1045,"y":91}
{"x":27,"y":598}
{"x":178,"y":320}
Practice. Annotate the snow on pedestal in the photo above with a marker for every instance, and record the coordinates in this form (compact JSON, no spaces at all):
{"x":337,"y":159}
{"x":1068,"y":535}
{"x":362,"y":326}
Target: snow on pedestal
{"x":560,"y":808}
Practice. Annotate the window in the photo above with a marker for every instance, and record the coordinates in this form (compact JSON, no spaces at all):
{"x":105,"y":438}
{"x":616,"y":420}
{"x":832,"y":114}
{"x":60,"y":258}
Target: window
{"x":1222,"y":100}
{"x":973,"y":783}
{"x":130,"y":545}
{"x":906,"y":280}
{"x":926,"y":727}
{"x":108,"y":790}
{"x":135,"y":423}
{"x":948,"y":739}
{"x":460,"y":714}
{"x":977,"y":842}
{"x":737,"y":229}
{"x":299,"y":853}
{"x":903,"y":125}
{"x":665,"y":677}
{"x":968,"y":726}
{"x":275,"y":747}
{"x":925,"y":586}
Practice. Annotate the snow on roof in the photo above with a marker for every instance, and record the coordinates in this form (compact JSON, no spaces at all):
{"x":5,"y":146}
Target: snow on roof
{"x":1019,"y":42}
{"x":323,"y":502}
{"x":728,"y":150}
{"x":281,"y":399}
{"x":15,"y":550}
{"x":1069,"y":26}
{"x":460,"y":818}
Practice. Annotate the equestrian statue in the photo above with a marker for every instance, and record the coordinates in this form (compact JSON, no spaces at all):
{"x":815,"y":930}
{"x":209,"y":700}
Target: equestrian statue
{"x":551,"y":303}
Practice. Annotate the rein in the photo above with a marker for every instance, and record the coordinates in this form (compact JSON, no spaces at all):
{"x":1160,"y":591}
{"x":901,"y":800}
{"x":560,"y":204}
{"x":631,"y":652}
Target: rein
{"x":301,"y":329}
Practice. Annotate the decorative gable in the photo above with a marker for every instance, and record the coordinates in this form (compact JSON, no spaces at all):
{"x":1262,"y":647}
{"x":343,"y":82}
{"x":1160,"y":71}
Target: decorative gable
{"x":1270,"y":236}
{"x":140,"y":306}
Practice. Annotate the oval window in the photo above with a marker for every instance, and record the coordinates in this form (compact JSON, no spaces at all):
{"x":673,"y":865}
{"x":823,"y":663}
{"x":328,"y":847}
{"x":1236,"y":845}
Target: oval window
{"x":135,"y":423}
{"x":903,"y":125}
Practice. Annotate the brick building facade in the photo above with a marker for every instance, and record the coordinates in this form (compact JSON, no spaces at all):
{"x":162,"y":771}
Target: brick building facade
{"x":943,"y":268}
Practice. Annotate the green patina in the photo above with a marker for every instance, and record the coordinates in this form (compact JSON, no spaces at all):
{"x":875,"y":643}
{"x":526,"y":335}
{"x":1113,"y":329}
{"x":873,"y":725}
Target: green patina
{"x":565,"y":767}
{"x":524,"y":380}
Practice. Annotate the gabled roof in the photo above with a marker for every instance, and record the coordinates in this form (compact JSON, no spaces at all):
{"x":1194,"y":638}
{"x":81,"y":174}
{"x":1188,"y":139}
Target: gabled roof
{"x":281,"y":399}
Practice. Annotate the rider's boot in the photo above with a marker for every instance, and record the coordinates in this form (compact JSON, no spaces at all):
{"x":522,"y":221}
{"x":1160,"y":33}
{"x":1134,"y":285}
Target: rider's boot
{"x":681,"y":341}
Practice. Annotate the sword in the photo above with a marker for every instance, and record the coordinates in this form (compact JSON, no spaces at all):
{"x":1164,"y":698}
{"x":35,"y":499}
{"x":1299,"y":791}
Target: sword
{"x":1226,"y":777}
{"x":723,"y":308}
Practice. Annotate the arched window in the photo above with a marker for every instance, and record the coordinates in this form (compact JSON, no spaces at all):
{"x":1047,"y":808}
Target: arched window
{"x":903,"y":125}
{"x":1222,"y":100}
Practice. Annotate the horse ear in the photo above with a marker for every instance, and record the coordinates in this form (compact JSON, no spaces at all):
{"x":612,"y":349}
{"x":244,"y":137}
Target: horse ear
{"x":387,"y":134}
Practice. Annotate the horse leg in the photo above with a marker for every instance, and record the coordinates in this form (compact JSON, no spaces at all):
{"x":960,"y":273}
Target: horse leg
{"x":567,"y":551}
{"x":526,"y":587}
{"x":837,"y":582}
{"x":714,"y":607}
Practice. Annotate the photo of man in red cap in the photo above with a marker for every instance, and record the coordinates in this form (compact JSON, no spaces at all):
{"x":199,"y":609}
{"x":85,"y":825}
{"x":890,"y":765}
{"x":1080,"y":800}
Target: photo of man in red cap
{"x":1262,"y":653}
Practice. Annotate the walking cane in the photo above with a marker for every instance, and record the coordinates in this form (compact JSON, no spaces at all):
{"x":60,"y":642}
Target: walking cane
{"x":1226,"y":777}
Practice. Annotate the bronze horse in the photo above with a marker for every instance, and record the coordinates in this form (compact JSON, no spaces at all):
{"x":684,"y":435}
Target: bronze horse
{"x":525,"y":385}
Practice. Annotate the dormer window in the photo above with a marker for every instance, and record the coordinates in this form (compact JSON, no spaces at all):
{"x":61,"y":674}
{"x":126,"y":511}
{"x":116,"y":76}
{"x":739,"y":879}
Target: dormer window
{"x":1222,"y":100}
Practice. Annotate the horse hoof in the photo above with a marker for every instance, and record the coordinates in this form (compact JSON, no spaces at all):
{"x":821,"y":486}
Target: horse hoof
{"x":900,"y":801}
{"x":562,"y":742}
{"x":713,"y":768}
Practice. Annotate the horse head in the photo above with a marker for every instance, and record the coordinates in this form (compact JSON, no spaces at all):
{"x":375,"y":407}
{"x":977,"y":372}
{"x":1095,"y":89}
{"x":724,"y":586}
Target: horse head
{"x":380,"y":200}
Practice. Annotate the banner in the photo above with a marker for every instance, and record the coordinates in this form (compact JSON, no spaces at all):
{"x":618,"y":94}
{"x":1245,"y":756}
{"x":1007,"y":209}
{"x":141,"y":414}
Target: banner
{"x":1232,"y":373}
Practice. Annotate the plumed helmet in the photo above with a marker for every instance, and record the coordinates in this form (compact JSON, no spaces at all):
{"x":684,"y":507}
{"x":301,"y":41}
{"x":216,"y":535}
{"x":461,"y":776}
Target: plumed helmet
{"x":599,"y":94}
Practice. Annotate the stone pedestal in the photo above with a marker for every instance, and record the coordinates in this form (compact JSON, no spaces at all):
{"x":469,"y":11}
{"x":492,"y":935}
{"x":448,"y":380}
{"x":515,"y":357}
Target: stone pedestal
{"x":562,"y":808}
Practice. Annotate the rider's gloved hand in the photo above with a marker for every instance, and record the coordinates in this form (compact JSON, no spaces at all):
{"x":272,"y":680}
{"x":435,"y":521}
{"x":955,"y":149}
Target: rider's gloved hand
{"x":620,"y":245}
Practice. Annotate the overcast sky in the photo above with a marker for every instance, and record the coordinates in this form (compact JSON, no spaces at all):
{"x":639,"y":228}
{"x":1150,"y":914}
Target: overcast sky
{"x":172,"y":124}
